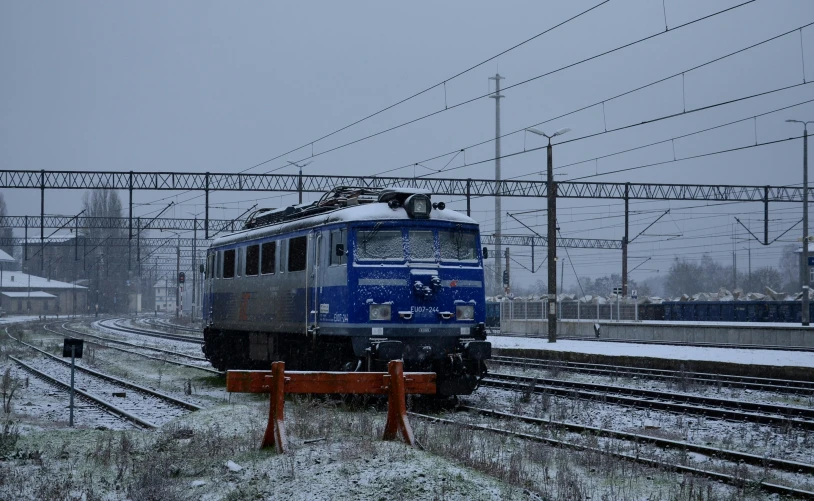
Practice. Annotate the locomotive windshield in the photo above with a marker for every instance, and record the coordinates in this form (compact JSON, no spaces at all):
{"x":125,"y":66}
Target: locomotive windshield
{"x":458,"y":246}
{"x":422,"y":245}
{"x":380,"y":245}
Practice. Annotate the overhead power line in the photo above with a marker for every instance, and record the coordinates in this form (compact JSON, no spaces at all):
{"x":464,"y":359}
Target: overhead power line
{"x":599,"y":103}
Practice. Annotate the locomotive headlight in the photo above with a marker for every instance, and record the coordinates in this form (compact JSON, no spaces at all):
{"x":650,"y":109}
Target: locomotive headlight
{"x":465,"y":312}
{"x":379,"y":312}
{"x":418,"y":206}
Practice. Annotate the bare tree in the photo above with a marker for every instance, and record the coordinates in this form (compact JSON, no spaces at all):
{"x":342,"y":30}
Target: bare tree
{"x":790,"y":267}
{"x":109,"y":274}
{"x":5,"y":232}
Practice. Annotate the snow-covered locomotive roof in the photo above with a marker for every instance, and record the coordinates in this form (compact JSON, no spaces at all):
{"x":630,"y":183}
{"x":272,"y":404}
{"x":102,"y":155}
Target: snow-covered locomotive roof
{"x":366,"y":212}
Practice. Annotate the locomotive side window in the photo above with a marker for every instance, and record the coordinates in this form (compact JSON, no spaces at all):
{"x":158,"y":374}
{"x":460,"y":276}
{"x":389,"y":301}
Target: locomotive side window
{"x":267,"y":265}
{"x":252,"y":260}
{"x":458,"y":246}
{"x":422,"y":246}
{"x":283,"y":247}
{"x":218,"y":264}
{"x":379,"y":245}
{"x":239,"y":259}
{"x":229,"y":263}
{"x":338,"y":238}
{"x":297,"y":253}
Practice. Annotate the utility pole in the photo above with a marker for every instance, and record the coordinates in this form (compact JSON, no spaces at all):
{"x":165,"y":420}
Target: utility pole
{"x":507,"y":280}
{"x":552,"y":246}
{"x":625,"y":241}
{"x":177,"y":274}
{"x":805,"y":277}
{"x":498,"y":211}
{"x":194,"y":263}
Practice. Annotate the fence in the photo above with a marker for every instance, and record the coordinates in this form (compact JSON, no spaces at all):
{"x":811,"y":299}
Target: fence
{"x":569,"y":310}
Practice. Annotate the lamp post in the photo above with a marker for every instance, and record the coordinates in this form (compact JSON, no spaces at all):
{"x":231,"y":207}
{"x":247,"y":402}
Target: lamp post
{"x":551,"y":188}
{"x":804,"y":276}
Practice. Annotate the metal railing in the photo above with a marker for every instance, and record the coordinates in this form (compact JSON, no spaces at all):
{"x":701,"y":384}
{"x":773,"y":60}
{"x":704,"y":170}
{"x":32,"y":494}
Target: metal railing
{"x":569,"y":310}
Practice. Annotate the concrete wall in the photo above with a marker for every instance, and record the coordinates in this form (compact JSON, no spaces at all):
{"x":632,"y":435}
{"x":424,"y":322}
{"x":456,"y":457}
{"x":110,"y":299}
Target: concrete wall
{"x":752,"y":334}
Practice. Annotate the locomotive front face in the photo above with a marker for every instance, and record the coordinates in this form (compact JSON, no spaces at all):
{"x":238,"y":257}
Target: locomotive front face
{"x":417,"y":293}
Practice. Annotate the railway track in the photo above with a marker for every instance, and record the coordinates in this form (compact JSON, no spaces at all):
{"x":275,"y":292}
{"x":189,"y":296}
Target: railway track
{"x":138,"y":350}
{"x":745,"y":382}
{"x":734,"y":410}
{"x":115,"y":324}
{"x":150,"y":409}
{"x":163,"y":324}
{"x":636,"y":456}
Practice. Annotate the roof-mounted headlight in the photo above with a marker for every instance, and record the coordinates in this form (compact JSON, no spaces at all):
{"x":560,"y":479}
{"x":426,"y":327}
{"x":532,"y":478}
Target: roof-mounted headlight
{"x":418,"y":206}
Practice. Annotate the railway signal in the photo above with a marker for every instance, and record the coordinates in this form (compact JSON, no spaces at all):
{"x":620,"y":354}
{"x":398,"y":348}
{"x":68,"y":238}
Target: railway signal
{"x":72,"y":347}
{"x":181,"y":277}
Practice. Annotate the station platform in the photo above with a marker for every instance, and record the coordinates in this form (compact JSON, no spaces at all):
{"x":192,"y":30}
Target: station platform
{"x":784,"y":336}
{"x":755,"y":362}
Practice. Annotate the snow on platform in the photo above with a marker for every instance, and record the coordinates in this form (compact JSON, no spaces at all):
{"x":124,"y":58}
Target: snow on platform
{"x":673,"y":352}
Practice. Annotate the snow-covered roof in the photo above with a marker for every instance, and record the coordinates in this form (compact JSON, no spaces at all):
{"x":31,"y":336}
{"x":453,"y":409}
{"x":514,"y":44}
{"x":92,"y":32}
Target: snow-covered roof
{"x":32,"y":295}
{"x":5,"y":258}
{"x":366,"y":212}
{"x":19,"y":280}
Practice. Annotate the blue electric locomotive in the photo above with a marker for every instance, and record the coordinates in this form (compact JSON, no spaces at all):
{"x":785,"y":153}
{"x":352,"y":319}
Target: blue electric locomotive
{"x":359,"y":278}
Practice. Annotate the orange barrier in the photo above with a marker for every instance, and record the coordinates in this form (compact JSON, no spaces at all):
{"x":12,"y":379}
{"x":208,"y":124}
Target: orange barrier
{"x":395,"y":383}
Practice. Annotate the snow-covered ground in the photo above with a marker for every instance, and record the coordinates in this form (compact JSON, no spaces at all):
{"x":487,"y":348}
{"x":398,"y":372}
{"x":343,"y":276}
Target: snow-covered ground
{"x":17,"y":319}
{"x":700,"y":353}
{"x":336,"y":451}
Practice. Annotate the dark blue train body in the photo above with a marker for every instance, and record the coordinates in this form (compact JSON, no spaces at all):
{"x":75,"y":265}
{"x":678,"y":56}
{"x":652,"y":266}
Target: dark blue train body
{"x":348,"y":283}
{"x":725,"y":311}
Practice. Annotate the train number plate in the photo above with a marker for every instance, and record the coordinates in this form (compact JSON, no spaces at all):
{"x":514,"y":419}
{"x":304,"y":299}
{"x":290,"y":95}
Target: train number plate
{"x":323,"y":308}
{"x":378,"y":331}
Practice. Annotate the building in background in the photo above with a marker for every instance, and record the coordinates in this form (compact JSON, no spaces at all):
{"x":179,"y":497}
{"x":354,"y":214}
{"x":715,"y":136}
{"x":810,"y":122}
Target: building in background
{"x":164,"y":296}
{"x":25,"y":294}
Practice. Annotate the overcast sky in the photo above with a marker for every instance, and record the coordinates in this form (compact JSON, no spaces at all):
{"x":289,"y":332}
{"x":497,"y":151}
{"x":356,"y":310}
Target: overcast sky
{"x":210,"y":86}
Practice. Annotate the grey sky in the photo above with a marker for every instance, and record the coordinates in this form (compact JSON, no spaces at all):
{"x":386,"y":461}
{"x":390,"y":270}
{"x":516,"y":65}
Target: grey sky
{"x":206,"y":86}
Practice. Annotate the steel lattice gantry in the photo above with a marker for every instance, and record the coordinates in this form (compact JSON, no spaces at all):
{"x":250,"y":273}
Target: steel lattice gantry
{"x":442,"y":186}
{"x":209,"y":182}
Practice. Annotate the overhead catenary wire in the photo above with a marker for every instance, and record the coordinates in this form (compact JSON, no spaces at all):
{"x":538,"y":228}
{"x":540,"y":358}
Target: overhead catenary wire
{"x":476,"y":98}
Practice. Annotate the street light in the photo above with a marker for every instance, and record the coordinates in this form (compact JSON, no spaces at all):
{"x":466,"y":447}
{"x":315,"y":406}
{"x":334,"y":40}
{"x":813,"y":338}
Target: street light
{"x":552,"y":236}
{"x":804,"y":278}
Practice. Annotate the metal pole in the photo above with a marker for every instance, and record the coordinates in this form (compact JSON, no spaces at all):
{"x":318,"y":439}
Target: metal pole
{"x":552,"y":248}
{"x":73,"y":367}
{"x":625,"y":240}
{"x":299,"y":184}
{"x":194,"y":263}
{"x":177,"y":274}
{"x":806,"y":277}
{"x":498,"y":211}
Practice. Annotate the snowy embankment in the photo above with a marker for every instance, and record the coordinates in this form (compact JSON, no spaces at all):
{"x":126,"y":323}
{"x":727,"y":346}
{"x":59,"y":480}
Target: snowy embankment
{"x":671,"y":352}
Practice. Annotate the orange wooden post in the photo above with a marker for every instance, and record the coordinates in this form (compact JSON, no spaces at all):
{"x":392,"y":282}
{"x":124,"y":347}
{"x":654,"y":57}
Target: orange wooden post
{"x":275,"y":430}
{"x":397,"y":406}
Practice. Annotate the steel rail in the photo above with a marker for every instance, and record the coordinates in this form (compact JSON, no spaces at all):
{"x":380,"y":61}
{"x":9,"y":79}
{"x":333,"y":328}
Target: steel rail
{"x":144,"y":332}
{"x":660,"y":465}
{"x":174,"y":362}
{"x":745,"y":382}
{"x":734,"y":410}
{"x":107,"y":377}
{"x":713,"y":452}
{"x":107,"y":406}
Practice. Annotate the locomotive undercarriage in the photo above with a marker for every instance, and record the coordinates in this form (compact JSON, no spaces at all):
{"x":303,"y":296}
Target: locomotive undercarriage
{"x":458,"y":362}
